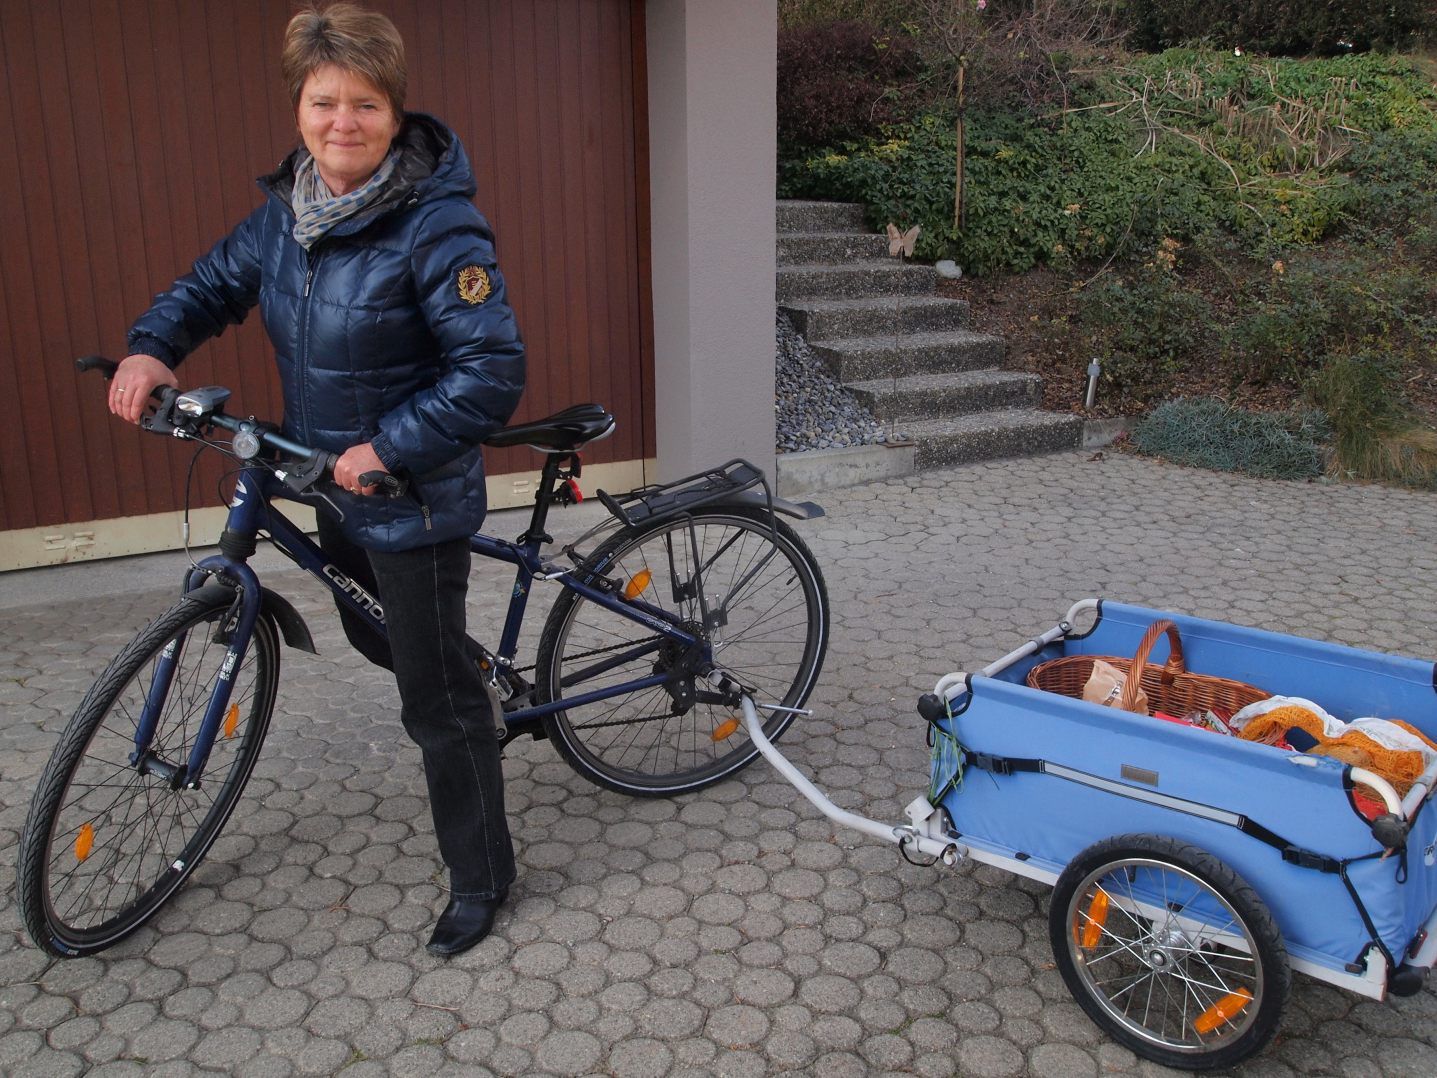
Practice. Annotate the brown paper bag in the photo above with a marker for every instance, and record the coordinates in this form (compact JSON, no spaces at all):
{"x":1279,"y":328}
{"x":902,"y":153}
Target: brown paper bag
{"x":1105,"y":687}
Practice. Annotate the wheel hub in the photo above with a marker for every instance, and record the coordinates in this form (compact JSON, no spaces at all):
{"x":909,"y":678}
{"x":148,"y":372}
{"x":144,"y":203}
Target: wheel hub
{"x":1164,"y":952}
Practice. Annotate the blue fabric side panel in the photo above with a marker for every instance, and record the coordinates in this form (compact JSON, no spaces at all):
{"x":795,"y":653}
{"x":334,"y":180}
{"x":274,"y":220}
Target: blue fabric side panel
{"x":1053,"y":818}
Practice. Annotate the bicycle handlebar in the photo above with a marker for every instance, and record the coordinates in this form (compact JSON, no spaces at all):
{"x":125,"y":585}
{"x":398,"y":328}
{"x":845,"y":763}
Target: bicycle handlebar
{"x":206,"y":408}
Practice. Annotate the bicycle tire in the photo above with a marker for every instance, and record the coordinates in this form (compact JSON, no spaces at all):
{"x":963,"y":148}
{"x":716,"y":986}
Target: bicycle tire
{"x":104,"y":846}
{"x":774,"y":640}
{"x":1179,"y":960}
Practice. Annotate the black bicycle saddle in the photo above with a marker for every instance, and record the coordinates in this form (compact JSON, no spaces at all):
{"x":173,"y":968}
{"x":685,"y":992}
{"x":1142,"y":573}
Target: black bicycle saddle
{"x":562,"y":432}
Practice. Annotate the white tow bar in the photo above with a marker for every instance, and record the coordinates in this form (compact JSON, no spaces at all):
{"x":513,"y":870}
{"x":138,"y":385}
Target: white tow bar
{"x":923,"y":834}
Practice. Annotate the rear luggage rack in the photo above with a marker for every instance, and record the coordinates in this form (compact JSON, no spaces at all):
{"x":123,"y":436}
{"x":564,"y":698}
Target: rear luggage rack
{"x":661,"y":500}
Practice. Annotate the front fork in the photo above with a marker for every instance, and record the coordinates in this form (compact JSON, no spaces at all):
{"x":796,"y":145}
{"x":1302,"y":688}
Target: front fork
{"x":237,"y":628}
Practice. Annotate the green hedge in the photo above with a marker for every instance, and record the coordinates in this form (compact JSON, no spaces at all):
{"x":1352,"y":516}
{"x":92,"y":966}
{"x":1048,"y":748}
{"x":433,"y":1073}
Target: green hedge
{"x":1290,"y":28}
{"x":1270,"y":152}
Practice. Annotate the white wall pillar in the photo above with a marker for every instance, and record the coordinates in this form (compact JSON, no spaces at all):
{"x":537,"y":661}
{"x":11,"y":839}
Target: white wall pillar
{"x":712,"y":68}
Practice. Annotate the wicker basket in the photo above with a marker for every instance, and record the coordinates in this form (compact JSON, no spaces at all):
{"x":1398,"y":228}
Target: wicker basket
{"x":1171,"y":688}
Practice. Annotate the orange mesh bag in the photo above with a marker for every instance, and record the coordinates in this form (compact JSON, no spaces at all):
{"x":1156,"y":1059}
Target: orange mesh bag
{"x":1357,"y":744}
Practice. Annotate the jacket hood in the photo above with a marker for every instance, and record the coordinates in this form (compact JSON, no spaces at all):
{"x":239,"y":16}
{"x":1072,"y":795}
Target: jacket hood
{"x":431,"y":163}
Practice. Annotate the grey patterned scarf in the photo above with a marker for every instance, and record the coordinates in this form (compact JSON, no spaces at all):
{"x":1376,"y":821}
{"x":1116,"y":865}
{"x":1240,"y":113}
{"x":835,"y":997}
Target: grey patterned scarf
{"x":317,"y":209}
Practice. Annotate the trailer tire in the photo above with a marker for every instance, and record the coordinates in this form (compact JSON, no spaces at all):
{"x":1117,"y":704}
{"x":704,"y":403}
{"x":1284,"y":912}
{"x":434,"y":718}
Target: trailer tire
{"x":1169,"y":951}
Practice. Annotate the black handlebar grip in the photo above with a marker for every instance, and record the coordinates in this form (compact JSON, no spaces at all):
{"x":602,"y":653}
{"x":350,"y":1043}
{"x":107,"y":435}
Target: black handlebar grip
{"x":390,"y":485}
{"x":97,"y":363}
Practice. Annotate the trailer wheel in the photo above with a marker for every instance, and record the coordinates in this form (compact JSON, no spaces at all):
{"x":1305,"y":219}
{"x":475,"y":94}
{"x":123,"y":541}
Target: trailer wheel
{"x":1169,"y":951}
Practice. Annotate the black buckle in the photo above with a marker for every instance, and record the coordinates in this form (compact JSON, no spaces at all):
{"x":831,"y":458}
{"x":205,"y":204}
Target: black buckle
{"x":1295,"y":855}
{"x":998,"y":765}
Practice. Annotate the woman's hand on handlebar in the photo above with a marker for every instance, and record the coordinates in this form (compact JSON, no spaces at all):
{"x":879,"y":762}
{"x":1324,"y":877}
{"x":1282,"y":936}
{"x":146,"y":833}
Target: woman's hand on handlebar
{"x":135,"y":379}
{"x":355,"y":462}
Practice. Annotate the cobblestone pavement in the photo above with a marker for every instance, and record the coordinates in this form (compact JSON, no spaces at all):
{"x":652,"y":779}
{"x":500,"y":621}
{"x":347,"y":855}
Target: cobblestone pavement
{"x":734,"y":931}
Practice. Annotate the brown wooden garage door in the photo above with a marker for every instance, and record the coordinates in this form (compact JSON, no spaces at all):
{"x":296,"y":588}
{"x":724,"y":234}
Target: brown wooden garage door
{"x":130,"y":134}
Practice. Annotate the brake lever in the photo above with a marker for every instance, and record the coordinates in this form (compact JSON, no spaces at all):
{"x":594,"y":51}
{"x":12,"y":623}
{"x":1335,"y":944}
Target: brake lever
{"x":304,"y":480}
{"x":162,"y":420}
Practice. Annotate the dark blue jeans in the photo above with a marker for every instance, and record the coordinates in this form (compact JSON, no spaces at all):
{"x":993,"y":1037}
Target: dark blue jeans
{"x":442,"y":700}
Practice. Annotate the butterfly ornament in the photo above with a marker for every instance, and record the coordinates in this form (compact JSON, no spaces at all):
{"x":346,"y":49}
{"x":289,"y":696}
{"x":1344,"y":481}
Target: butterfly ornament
{"x":900,"y":244}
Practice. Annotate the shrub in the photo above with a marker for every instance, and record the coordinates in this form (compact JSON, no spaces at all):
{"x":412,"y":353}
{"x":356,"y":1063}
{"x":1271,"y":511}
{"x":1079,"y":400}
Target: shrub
{"x":1307,"y":313}
{"x":1294,"y":28}
{"x":1037,"y":192}
{"x":1205,"y":432}
{"x":841,"y":81}
{"x":1394,"y":191}
{"x":1148,"y":327}
{"x":1373,"y":434}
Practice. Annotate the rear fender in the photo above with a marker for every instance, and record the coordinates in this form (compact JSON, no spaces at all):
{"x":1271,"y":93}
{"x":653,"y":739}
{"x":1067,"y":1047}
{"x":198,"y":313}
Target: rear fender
{"x":756,"y":499}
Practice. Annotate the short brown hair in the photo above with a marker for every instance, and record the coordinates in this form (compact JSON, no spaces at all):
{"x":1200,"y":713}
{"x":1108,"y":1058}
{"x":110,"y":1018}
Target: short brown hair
{"x":348,"y":36}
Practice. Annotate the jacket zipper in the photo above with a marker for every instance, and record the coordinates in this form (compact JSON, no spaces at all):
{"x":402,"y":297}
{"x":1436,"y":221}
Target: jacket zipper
{"x":313,"y":258}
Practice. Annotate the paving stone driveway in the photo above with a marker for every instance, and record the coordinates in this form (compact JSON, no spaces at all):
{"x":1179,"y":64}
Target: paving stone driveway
{"x":734,"y":931}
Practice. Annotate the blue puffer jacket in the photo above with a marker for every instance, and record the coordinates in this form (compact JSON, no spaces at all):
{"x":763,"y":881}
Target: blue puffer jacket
{"x":393,"y":329}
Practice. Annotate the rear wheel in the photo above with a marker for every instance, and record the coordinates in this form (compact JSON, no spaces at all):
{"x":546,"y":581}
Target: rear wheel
{"x":752,"y":593}
{"x":108,"y":840}
{"x":1169,"y":951}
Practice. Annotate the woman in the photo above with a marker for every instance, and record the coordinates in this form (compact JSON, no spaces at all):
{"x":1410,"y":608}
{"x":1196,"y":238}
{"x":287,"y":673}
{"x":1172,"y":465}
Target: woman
{"x":375,"y":277}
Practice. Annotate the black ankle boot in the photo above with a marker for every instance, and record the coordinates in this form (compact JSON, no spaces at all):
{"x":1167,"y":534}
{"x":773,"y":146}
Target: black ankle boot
{"x":464,"y":922}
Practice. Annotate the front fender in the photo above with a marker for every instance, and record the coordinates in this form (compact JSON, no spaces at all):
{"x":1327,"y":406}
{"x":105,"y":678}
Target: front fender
{"x":275,"y":607}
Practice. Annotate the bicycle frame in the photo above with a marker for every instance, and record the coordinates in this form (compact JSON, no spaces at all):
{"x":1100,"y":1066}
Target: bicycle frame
{"x":251,"y":511}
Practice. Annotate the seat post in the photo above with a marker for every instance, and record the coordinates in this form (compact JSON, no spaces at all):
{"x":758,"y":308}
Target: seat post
{"x":543,"y":498}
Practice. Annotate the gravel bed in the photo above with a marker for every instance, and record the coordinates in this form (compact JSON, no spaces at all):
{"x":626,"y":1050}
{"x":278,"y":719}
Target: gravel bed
{"x":814,"y":411}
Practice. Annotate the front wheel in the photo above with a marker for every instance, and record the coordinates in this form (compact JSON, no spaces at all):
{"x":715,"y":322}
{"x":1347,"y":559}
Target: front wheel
{"x":1169,"y":951}
{"x":755,"y":598}
{"x":108,"y":838}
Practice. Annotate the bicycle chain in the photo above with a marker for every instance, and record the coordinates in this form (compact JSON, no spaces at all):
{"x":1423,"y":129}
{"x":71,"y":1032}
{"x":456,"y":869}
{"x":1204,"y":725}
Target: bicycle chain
{"x":585,"y":654}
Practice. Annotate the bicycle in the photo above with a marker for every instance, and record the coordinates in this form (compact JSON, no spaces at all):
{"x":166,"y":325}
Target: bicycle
{"x":697,"y":596}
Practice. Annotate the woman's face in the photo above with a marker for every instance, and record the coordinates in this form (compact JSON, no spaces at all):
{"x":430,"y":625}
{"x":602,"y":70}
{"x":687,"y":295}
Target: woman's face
{"x":347,"y":124}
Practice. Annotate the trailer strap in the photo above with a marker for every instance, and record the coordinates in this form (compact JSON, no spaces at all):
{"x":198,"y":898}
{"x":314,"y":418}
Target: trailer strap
{"x":1291,"y":853}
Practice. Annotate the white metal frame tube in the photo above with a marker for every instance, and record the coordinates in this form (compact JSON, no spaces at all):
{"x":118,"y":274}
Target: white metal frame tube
{"x":902,"y":833}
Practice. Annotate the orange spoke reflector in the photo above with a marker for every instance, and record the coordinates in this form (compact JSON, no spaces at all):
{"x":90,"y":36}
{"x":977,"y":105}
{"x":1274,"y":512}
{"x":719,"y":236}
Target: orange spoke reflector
{"x":1222,"y":1011}
{"x":231,"y":720}
{"x":725,"y":729}
{"x":1090,"y":931}
{"x":84,"y":842}
{"x":635,"y":587}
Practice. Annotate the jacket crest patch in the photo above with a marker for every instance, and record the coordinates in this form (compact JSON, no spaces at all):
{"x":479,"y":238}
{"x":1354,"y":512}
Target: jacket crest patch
{"x":474,"y":286}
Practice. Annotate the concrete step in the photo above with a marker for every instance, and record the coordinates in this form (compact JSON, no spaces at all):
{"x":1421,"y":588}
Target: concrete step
{"x":898,"y":356}
{"x":830,"y":320}
{"x":793,"y":215}
{"x":1013,"y":432}
{"x":931,"y":396}
{"x":855,"y":280}
{"x":827,"y":248}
